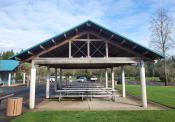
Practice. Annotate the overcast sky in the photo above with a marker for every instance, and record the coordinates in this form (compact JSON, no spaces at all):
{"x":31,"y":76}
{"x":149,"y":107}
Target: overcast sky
{"x":24,"y":23}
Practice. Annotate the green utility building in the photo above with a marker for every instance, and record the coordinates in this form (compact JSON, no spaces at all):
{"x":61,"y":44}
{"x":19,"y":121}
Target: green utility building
{"x":8,"y":71}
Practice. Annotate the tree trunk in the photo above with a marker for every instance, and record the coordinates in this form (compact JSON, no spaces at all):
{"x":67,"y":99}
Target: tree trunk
{"x":165,"y":73}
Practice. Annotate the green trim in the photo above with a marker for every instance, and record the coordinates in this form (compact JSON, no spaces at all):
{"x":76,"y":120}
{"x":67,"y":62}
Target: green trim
{"x":88,"y":21}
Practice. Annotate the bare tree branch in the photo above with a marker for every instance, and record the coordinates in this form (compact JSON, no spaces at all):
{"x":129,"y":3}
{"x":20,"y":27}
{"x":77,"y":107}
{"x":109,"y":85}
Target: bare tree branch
{"x":162,"y":35}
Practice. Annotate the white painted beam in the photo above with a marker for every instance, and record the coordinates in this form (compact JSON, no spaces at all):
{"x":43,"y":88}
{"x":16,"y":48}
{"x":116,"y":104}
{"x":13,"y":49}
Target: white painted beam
{"x":16,"y":58}
{"x":143,"y":84}
{"x":54,"y":41}
{"x":29,"y":52}
{"x":87,"y":60}
{"x":42,"y":47}
{"x":32,"y":87}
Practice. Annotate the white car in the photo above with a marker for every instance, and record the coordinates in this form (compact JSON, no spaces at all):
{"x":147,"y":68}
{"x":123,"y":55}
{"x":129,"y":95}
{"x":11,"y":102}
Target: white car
{"x":52,"y":78}
{"x":94,"y":78}
{"x":82,"y":79}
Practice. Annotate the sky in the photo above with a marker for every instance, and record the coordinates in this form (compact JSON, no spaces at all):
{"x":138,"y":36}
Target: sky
{"x":24,"y":23}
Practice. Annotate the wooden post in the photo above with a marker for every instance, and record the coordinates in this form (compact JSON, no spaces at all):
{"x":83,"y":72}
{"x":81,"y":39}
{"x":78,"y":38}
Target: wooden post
{"x":88,"y":46}
{"x":48,"y":83}
{"x":123,"y":81}
{"x":106,"y":45}
{"x":70,"y":49}
{"x":32,"y":87}
{"x":106,"y":76}
{"x":143,"y":84}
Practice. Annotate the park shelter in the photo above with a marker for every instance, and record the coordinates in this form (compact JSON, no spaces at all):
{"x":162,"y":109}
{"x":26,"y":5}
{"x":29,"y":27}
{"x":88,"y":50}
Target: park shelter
{"x":8,"y":71}
{"x":87,"y":46}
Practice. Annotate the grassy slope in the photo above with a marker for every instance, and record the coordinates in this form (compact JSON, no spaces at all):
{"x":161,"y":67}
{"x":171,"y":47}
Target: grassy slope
{"x":161,"y":94}
{"x":100,"y":116}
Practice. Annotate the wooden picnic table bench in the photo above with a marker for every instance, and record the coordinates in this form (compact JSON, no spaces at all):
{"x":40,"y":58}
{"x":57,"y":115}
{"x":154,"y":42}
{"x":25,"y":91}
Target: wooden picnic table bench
{"x":85,"y":92}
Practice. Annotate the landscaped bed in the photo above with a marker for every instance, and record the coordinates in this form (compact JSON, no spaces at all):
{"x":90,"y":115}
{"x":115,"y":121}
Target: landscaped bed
{"x":99,"y":116}
{"x":164,"y":95}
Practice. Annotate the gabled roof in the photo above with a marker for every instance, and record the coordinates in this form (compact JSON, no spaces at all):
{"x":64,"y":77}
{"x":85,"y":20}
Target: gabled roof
{"x":8,"y":65}
{"x":129,"y":44}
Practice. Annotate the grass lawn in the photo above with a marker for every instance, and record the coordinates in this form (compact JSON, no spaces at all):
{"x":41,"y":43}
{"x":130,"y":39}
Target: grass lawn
{"x":99,"y":116}
{"x":161,"y":94}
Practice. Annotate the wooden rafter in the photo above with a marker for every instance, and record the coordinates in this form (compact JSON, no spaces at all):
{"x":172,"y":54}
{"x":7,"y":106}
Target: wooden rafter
{"x":55,"y":46}
{"x":42,"y":47}
{"x":120,"y":46}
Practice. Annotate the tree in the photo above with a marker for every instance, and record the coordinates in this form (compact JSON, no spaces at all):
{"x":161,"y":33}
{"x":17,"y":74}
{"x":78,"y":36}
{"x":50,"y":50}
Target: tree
{"x":161,"y":37}
{"x":6,"y":55}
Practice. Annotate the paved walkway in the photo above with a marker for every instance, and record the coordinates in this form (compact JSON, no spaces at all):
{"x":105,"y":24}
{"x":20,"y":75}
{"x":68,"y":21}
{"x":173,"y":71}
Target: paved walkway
{"x":95,"y":104}
{"x":21,"y":91}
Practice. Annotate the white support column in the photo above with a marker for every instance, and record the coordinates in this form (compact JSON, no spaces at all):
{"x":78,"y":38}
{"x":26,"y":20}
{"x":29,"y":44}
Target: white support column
{"x":70,"y":49}
{"x":106,"y":76}
{"x":123,"y":81}
{"x":24,"y":78}
{"x":56,"y":80}
{"x":61,"y":71}
{"x":143,"y":84}
{"x":48,"y":84}
{"x":9,"y":79}
{"x":112,"y":77}
{"x":32,"y":87}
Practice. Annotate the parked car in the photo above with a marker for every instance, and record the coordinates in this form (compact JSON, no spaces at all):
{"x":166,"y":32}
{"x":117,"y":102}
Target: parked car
{"x":93,"y":78}
{"x":82,"y":79}
{"x":52,"y":78}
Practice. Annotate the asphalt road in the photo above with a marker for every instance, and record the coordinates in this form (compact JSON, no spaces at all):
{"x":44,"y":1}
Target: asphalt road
{"x":21,"y":91}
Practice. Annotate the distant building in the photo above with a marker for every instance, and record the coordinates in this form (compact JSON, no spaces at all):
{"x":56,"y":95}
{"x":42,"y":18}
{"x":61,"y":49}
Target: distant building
{"x":8,"y":70}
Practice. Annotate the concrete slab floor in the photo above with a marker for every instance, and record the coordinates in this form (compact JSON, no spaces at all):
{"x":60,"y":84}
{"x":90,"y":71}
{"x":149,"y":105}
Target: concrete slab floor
{"x":95,"y":104}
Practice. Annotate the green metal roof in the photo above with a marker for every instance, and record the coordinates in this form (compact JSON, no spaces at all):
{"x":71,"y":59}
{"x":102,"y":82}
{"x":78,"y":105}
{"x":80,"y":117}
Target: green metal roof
{"x":153,"y":53}
{"x":8,"y":65}
{"x":47,"y":40}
